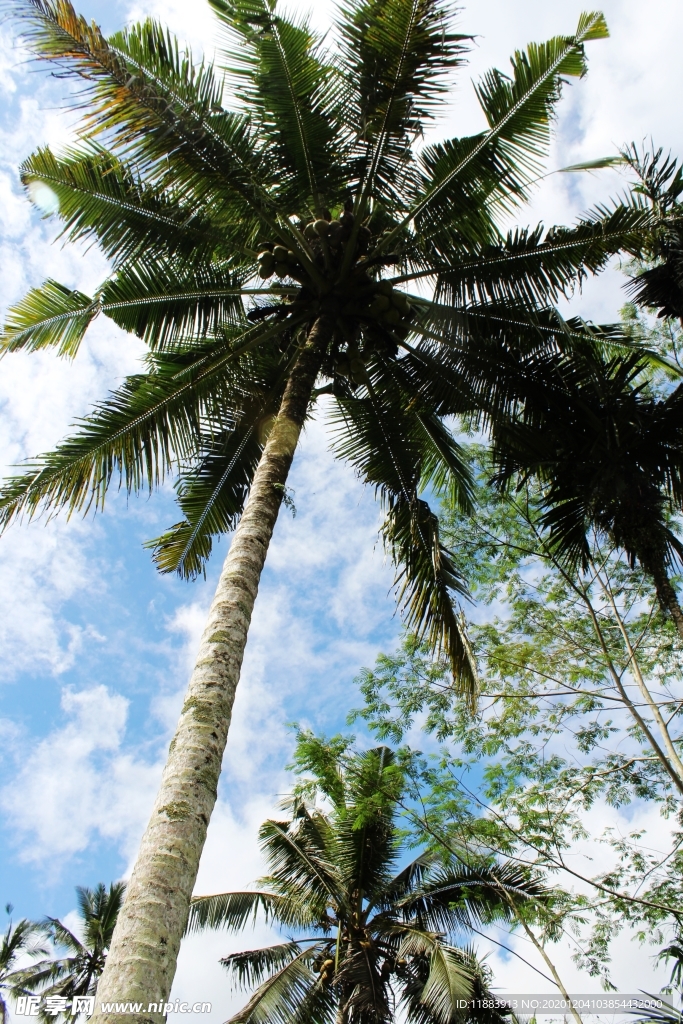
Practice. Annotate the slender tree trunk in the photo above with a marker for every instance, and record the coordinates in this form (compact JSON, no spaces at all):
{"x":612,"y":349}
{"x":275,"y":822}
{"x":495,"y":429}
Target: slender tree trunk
{"x":667,"y":596}
{"x":142,"y":960}
{"x":642,"y":686}
{"x":550,"y":965}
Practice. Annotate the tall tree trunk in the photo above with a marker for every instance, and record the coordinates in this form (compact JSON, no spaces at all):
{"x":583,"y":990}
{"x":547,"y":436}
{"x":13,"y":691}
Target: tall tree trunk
{"x":667,"y":595}
{"x":142,"y":960}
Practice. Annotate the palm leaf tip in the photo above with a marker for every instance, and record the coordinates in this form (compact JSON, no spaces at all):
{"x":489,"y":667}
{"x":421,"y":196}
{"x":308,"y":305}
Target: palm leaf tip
{"x":50,"y":316}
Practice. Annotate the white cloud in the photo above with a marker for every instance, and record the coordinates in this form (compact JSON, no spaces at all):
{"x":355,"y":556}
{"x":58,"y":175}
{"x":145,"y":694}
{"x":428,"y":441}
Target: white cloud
{"x":77,"y":783}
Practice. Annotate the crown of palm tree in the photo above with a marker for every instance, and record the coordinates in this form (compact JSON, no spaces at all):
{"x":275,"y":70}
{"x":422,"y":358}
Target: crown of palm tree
{"x":374,"y":941}
{"x":22,"y":938}
{"x":294,"y":163}
{"x":77,"y":973}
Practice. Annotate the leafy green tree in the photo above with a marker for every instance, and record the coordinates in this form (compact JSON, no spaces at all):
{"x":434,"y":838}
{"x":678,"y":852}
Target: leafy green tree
{"x":22,"y":938}
{"x":375,"y":937}
{"x":77,"y":973}
{"x":580,"y":702}
{"x":259,"y":248}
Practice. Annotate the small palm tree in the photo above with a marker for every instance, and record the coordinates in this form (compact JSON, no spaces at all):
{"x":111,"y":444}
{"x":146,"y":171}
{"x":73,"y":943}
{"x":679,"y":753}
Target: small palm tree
{"x":609,"y":454}
{"x":20,"y":939}
{"x":264,"y":220}
{"x":375,"y":940}
{"x":77,"y":972}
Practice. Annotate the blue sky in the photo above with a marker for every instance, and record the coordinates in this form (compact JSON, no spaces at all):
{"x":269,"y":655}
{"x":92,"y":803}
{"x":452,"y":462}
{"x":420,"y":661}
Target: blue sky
{"x":96,"y":646}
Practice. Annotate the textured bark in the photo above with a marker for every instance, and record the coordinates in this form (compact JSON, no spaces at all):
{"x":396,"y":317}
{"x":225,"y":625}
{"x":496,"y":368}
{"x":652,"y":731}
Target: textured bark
{"x":667,"y":597}
{"x":142,"y":960}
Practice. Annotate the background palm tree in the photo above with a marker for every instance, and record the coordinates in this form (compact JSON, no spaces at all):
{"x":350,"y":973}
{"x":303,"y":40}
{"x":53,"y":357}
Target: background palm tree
{"x":658,"y":281}
{"x":609,"y":453}
{"x":20,"y":939}
{"x":77,"y":973}
{"x":308,"y":177}
{"x":374,"y":941}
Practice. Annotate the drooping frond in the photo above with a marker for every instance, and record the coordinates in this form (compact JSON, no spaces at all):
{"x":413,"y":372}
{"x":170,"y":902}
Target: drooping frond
{"x":234,"y":910}
{"x":212,"y":493}
{"x":393,"y":450}
{"x":249,"y":968}
{"x":150,"y":424}
{"x":279,"y":999}
{"x":460,"y":896}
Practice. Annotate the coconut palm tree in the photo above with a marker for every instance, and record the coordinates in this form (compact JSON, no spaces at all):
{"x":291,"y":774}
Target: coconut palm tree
{"x":609,"y":454}
{"x":77,"y":973}
{"x":264,"y":220}
{"x":373,"y":938}
{"x":22,"y":938}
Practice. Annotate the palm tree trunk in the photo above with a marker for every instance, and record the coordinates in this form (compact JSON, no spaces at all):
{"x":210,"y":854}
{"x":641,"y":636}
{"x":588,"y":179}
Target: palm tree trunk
{"x":142,"y":960}
{"x":667,"y":595}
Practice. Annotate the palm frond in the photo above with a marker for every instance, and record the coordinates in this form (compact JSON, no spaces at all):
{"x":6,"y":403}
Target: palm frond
{"x":156,"y":106}
{"x":463,"y":896}
{"x":282,"y":75}
{"x":167,"y":307}
{"x":150,"y":424}
{"x":233,"y":910}
{"x":297,"y":853}
{"x":49,"y":316}
{"x":396,"y":54}
{"x":99,"y":197}
{"x":519,"y":111}
{"x":250,"y":967}
{"x":279,"y":999}
{"x":391,"y":450}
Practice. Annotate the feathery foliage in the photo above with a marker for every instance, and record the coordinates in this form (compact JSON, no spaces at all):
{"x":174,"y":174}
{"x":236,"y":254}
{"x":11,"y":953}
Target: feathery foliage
{"x":375,"y":936}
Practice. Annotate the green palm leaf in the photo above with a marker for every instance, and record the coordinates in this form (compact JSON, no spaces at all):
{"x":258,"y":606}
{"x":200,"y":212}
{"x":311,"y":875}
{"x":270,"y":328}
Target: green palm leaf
{"x":396,"y":54}
{"x":150,"y":424}
{"x":278,"y":1000}
{"x":519,"y":111}
{"x":233,"y":910}
{"x":49,"y":316}
{"x":282,"y":76}
{"x":99,"y":197}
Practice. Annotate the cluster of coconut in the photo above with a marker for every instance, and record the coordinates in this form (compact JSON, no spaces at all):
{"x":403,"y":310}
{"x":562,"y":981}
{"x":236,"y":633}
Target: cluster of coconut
{"x":278,"y":260}
{"x":326,"y":970}
{"x":335,"y":233}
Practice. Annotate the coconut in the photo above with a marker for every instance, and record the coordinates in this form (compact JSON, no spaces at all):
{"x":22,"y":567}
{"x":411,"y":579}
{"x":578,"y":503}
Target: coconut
{"x":309,"y":231}
{"x":322,"y":228}
{"x":334,"y":234}
{"x":392,"y":316}
{"x":280,"y":254}
{"x":385,"y":288}
{"x":292,"y":258}
{"x":281,"y":269}
{"x":379,"y":304}
{"x":266,"y":270}
{"x":400,"y":301}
